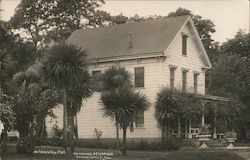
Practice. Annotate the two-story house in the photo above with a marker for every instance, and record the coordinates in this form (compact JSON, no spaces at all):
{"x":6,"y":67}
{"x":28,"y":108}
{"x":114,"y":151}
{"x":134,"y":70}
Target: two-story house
{"x":158,"y":53}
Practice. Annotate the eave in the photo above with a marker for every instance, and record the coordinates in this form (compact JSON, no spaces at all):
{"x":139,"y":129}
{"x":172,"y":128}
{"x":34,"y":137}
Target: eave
{"x":128,"y":57}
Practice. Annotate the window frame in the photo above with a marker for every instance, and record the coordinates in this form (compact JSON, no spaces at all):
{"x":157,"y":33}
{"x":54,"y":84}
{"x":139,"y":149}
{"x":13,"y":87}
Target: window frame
{"x":137,"y":82}
{"x":184,"y":44}
{"x":184,"y":80}
{"x":196,"y":76}
{"x":172,"y":76}
{"x":140,"y":119}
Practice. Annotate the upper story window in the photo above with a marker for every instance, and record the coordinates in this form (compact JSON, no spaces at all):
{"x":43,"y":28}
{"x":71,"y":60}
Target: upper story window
{"x":139,"y":119}
{"x":196,"y":82}
{"x":184,"y":44}
{"x":139,"y":77}
{"x":172,"y":77}
{"x":184,"y":80}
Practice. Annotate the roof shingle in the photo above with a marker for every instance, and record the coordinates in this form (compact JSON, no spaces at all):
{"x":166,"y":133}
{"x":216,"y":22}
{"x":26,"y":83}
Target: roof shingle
{"x":113,"y":41}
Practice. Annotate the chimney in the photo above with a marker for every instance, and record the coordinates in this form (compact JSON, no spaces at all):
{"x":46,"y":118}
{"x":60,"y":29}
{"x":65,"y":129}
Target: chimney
{"x":130,"y":40}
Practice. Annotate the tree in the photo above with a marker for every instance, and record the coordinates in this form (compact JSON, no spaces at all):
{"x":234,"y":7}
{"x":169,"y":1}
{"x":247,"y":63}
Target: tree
{"x":44,"y":21}
{"x":76,"y":97}
{"x":31,"y":16}
{"x":239,"y":45}
{"x":171,"y":105}
{"x":166,"y":109}
{"x":65,"y":67}
{"x":112,"y":79}
{"x":7,"y":115}
{"x":33,"y":102}
{"x":122,"y":104}
{"x":68,"y":16}
{"x":115,"y":77}
{"x":229,"y":77}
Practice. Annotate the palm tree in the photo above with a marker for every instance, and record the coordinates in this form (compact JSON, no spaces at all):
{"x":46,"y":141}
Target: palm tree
{"x":75,"y":97}
{"x":190,"y":106}
{"x":111,"y":79}
{"x":122,"y":104}
{"x":28,"y":84}
{"x":171,"y":105}
{"x":166,"y":110}
{"x":65,"y":67}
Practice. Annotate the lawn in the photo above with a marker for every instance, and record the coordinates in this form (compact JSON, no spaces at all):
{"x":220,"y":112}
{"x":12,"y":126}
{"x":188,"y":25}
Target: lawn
{"x":132,"y":155}
{"x":201,"y":155}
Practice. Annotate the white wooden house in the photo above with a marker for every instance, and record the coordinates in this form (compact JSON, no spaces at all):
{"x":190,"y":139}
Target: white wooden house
{"x":158,"y":53}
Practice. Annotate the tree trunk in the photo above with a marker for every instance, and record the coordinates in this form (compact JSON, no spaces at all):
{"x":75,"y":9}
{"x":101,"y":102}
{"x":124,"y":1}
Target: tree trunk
{"x":65,"y":119}
{"x":117,"y":134}
{"x":32,"y":140}
{"x":167,"y":132}
{"x":163,"y":135}
{"x":72,"y":126}
{"x":124,"y":142}
{"x":76,"y":130}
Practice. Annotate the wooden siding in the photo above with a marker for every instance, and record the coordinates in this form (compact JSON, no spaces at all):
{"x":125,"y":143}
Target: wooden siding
{"x":156,"y":76}
{"x":192,"y":62}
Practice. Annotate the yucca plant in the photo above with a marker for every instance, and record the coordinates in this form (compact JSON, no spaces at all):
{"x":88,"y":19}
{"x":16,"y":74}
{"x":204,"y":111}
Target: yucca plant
{"x":122,"y":104}
{"x":65,"y":67}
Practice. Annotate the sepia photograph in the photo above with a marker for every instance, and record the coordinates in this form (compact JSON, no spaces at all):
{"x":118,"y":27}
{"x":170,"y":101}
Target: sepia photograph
{"x":125,"y":79}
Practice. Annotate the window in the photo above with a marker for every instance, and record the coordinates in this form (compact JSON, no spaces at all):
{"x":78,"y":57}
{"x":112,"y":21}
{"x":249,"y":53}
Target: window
{"x":95,"y":72}
{"x":139,"y":119}
{"x":139,"y":77}
{"x":184,"y":44}
{"x":172,"y":75}
{"x":184,"y":80}
{"x":196,"y":82}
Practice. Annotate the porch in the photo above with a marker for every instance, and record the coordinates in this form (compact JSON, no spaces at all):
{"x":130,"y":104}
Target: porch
{"x":190,"y":128}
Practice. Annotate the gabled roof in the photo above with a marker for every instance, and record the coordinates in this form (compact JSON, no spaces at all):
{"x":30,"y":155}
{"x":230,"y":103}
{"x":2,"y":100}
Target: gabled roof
{"x":147,"y":37}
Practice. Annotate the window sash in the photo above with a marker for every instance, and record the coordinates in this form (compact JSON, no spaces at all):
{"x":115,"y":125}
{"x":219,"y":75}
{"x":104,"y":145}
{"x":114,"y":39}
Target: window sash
{"x":139,"y":77}
{"x":195,"y":82}
{"x":139,"y":119}
{"x":184,"y":81}
{"x":172,"y":77}
{"x":184,"y":44}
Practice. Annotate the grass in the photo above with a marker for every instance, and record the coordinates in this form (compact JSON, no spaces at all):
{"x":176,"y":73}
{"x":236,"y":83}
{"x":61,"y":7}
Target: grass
{"x":201,"y":155}
{"x":132,"y":155}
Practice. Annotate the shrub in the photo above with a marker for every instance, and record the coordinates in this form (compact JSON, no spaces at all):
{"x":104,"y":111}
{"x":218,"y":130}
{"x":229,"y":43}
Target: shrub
{"x":24,"y":145}
{"x":231,"y":134}
{"x":170,"y":146}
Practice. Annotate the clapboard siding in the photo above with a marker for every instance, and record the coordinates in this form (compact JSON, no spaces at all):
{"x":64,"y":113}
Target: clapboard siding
{"x":156,"y":76}
{"x":192,"y":62}
{"x":91,"y":117}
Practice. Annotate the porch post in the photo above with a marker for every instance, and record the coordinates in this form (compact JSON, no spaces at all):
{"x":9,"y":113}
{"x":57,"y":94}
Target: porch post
{"x":179,"y":127}
{"x":186,"y":128}
{"x":203,"y":114}
{"x":189,"y":129}
{"x":215,"y":133}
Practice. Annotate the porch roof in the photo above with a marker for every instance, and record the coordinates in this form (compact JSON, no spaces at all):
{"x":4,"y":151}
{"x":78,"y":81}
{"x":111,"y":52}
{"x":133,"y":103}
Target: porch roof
{"x":214,"y":98}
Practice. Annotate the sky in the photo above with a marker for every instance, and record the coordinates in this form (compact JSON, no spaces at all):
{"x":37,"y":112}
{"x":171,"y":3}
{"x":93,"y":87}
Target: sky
{"x":228,"y":15}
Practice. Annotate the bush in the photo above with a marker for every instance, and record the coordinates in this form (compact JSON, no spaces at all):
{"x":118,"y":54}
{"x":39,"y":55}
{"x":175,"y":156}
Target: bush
{"x":231,"y":134}
{"x":24,"y":145}
{"x":170,"y":146}
{"x":111,"y":144}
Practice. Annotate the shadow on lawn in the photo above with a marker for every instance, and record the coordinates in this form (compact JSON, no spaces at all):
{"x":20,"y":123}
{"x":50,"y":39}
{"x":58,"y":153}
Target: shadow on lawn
{"x":132,"y":155}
